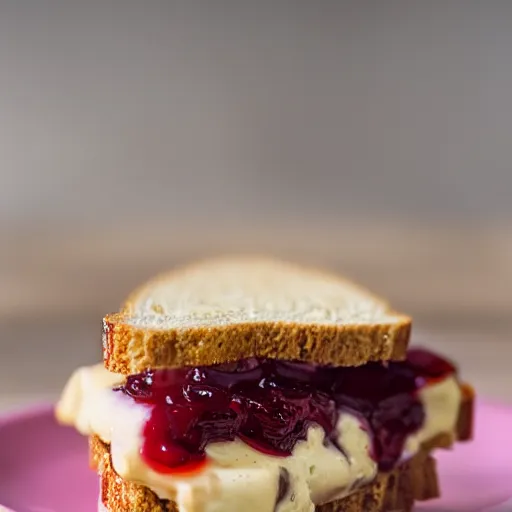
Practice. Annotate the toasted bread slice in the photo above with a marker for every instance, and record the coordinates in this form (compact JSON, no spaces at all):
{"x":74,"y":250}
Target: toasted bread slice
{"x":227,"y":309}
{"x":394,"y":491}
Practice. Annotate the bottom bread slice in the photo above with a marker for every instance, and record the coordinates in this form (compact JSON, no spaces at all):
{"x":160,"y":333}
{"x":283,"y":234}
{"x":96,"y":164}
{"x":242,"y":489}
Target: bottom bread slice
{"x":395,"y":491}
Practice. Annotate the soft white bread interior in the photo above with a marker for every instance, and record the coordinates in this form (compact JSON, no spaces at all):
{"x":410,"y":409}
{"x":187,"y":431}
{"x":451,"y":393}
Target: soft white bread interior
{"x":225,"y":309}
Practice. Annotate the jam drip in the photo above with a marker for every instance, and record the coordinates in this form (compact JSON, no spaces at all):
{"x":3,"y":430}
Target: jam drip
{"x":270,"y":404}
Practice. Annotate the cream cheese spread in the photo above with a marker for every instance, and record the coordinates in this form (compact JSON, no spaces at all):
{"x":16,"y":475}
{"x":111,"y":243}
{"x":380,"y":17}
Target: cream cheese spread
{"x":237,"y":477}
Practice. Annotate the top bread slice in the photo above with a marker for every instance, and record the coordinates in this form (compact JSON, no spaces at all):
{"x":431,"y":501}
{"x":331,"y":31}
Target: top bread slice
{"x":226,"y":309}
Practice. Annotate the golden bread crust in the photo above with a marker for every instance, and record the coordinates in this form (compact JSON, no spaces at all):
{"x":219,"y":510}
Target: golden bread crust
{"x":353,"y":326}
{"x":129,"y":349}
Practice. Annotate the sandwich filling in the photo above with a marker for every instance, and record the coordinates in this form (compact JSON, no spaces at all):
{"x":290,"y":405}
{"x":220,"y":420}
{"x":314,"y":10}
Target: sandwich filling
{"x":297,"y":434}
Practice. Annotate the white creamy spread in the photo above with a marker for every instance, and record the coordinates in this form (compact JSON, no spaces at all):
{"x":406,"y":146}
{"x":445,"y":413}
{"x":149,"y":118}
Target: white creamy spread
{"x":441,"y":403}
{"x":237,"y":476}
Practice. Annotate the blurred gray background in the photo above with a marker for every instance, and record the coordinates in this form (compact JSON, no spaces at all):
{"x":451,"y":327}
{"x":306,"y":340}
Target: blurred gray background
{"x":120,"y":110}
{"x":371,"y":137}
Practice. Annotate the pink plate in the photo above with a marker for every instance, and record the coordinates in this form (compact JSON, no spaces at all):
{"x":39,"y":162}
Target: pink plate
{"x":44,"y":467}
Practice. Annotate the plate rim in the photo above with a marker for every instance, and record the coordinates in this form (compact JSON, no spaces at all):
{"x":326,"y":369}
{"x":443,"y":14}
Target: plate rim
{"x":26,"y":412}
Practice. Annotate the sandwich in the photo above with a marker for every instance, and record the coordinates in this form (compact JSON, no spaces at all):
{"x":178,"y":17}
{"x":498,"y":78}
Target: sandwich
{"x":251,"y":384}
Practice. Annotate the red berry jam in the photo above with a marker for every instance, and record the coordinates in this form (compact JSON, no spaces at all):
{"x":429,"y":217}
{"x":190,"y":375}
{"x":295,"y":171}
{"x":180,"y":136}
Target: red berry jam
{"x":429,"y":367}
{"x":270,"y":405}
